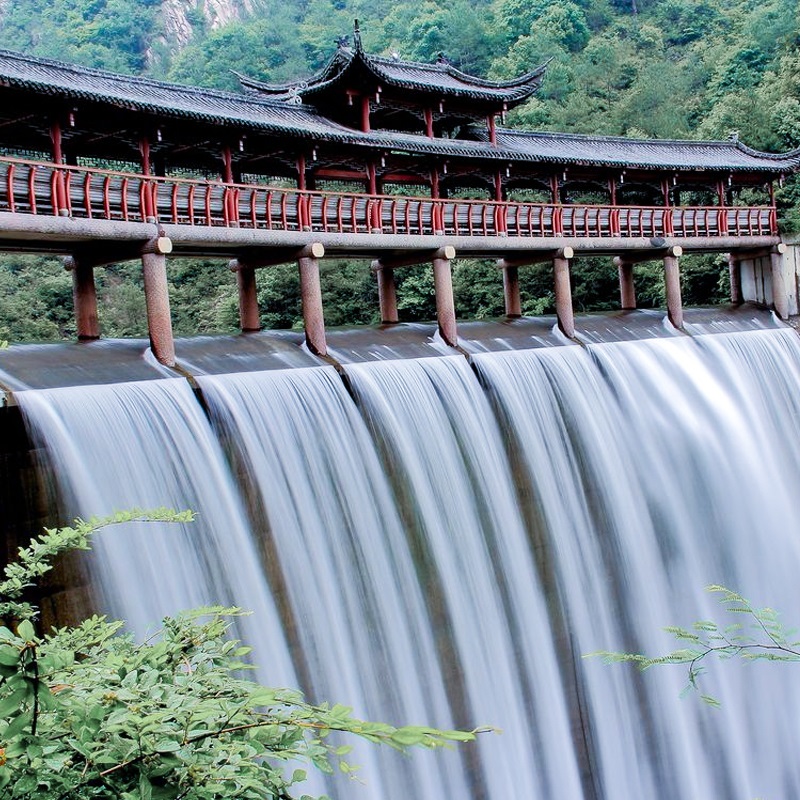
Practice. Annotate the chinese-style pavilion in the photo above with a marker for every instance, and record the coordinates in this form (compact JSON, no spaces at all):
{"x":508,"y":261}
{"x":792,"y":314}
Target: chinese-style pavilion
{"x":372,"y":156}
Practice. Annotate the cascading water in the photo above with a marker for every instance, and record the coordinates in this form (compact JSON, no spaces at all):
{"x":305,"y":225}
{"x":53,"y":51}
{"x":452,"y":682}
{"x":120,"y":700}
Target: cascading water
{"x":146,"y":445}
{"x":448,"y":546}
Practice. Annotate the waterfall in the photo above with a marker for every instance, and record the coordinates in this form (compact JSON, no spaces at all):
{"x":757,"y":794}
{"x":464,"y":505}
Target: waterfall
{"x":442,"y":540}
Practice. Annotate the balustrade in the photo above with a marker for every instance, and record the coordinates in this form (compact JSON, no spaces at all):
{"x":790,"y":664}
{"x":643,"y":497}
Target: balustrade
{"x":48,"y":189}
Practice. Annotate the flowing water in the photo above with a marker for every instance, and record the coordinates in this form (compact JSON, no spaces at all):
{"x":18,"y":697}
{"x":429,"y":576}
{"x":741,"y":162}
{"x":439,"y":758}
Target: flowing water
{"x":440,"y":540}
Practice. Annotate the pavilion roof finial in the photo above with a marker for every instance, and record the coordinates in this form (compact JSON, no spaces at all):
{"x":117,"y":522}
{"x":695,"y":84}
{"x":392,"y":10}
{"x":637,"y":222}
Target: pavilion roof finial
{"x":357,"y":37}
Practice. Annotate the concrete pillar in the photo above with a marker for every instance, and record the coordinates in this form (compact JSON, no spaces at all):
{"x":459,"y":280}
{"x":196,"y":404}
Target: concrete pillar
{"x":511,"y":291}
{"x":780,"y":292}
{"x":563,"y":292}
{"x":735,"y":271}
{"x":311,"y":298}
{"x":672,"y":286}
{"x":445,"y":302}
{"x":249,"y":312}
{"x":387,"y":295}
{"x":156,"y":295}
{"x":627,"y":290}
{"x":84,"y":296}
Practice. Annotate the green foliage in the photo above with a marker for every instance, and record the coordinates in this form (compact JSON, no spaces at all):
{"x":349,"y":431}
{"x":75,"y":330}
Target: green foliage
{"x":758,"y":635}
{"x":88,"y":712}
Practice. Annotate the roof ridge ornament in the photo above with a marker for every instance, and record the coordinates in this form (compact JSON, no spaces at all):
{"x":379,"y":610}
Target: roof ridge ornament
{"x":342,"y":42}
{"x":441,"y":58}
{"x":357,"y":37}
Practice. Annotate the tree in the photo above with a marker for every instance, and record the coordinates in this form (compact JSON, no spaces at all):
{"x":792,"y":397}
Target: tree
{"x":89,"y":712}
{"x":762,"y":637}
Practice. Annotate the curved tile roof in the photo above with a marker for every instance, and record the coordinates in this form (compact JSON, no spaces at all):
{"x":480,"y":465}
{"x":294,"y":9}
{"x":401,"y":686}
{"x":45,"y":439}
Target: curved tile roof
{"x":248,"y":112}
{"x":441,"y":78}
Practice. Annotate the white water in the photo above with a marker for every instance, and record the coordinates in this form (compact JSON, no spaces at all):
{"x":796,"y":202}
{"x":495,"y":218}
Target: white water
{"x":453,"y":558}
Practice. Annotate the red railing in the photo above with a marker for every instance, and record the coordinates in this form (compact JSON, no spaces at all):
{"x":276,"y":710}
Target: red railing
{"x":41,"y":188}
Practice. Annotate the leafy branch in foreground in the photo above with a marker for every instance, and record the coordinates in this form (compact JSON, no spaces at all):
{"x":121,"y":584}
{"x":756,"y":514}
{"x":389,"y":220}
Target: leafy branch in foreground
{"x":89,"y":712}
{"x":761,"y":636}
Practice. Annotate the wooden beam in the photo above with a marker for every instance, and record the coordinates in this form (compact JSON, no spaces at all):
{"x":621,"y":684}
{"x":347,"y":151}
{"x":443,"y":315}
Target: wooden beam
{"x":393,"y":261}
{"x":758,"y":252}
{"x":274,"y":257}
{"x":639,"y":256}
{"x":520,"y":260}
{"x":100,"y":254}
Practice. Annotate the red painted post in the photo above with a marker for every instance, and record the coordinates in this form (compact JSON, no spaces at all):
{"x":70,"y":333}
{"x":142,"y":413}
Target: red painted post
{"x":84,"y":296}
{"x":563,"y":293}
{"x":627,"y":290}
{"x":249,"y":312}
{"x":387,"y":295}
{"x":445,"y":302}
{"x":511,"y":291}
{"x":428,"y":113}
{"x":149,"y":205}
{"x":492,"y":126}
{"x":311,"y":299}
{"x":156,"y":294}
{"x":229,"y":198}
{"x":365,"y":114}
{"x":59,"y":187}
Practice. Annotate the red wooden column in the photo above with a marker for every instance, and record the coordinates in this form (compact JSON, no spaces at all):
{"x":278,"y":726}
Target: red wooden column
{"x":428,"y":114}
{"x":231,"y":195}
{"x":627,"y":291}
{"x":672,"y":286}
{"x":249,"y":312}
{"x":59,"y":199}
{"x":156,"y":295}
{"x":443,"y":287}
{"x":511,"y":291}
{"x":563,"y":293}
{"x":148,"y":188}
{"x":311,"y":299}
{"x":365,"y":126}
{"x":84,"y":295}
{"x":387,"y":293}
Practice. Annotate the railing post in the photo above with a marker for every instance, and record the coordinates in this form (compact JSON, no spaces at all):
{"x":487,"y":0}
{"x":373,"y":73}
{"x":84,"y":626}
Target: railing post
{"x":511,"y":291}
{"x":84,"y":295}
{"x":249,"y":312}
{"x":563,"y":293}
{"x":387,"y":295}
{"x":311,"y":299}
{"x":445,"y":302}
{"x":672,"y":286}
{"x":156,"y":295}
{"x":627,"y":290}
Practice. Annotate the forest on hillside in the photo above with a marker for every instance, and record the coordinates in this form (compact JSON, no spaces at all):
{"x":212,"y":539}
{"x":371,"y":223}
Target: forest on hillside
{"x":644,"y":68}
